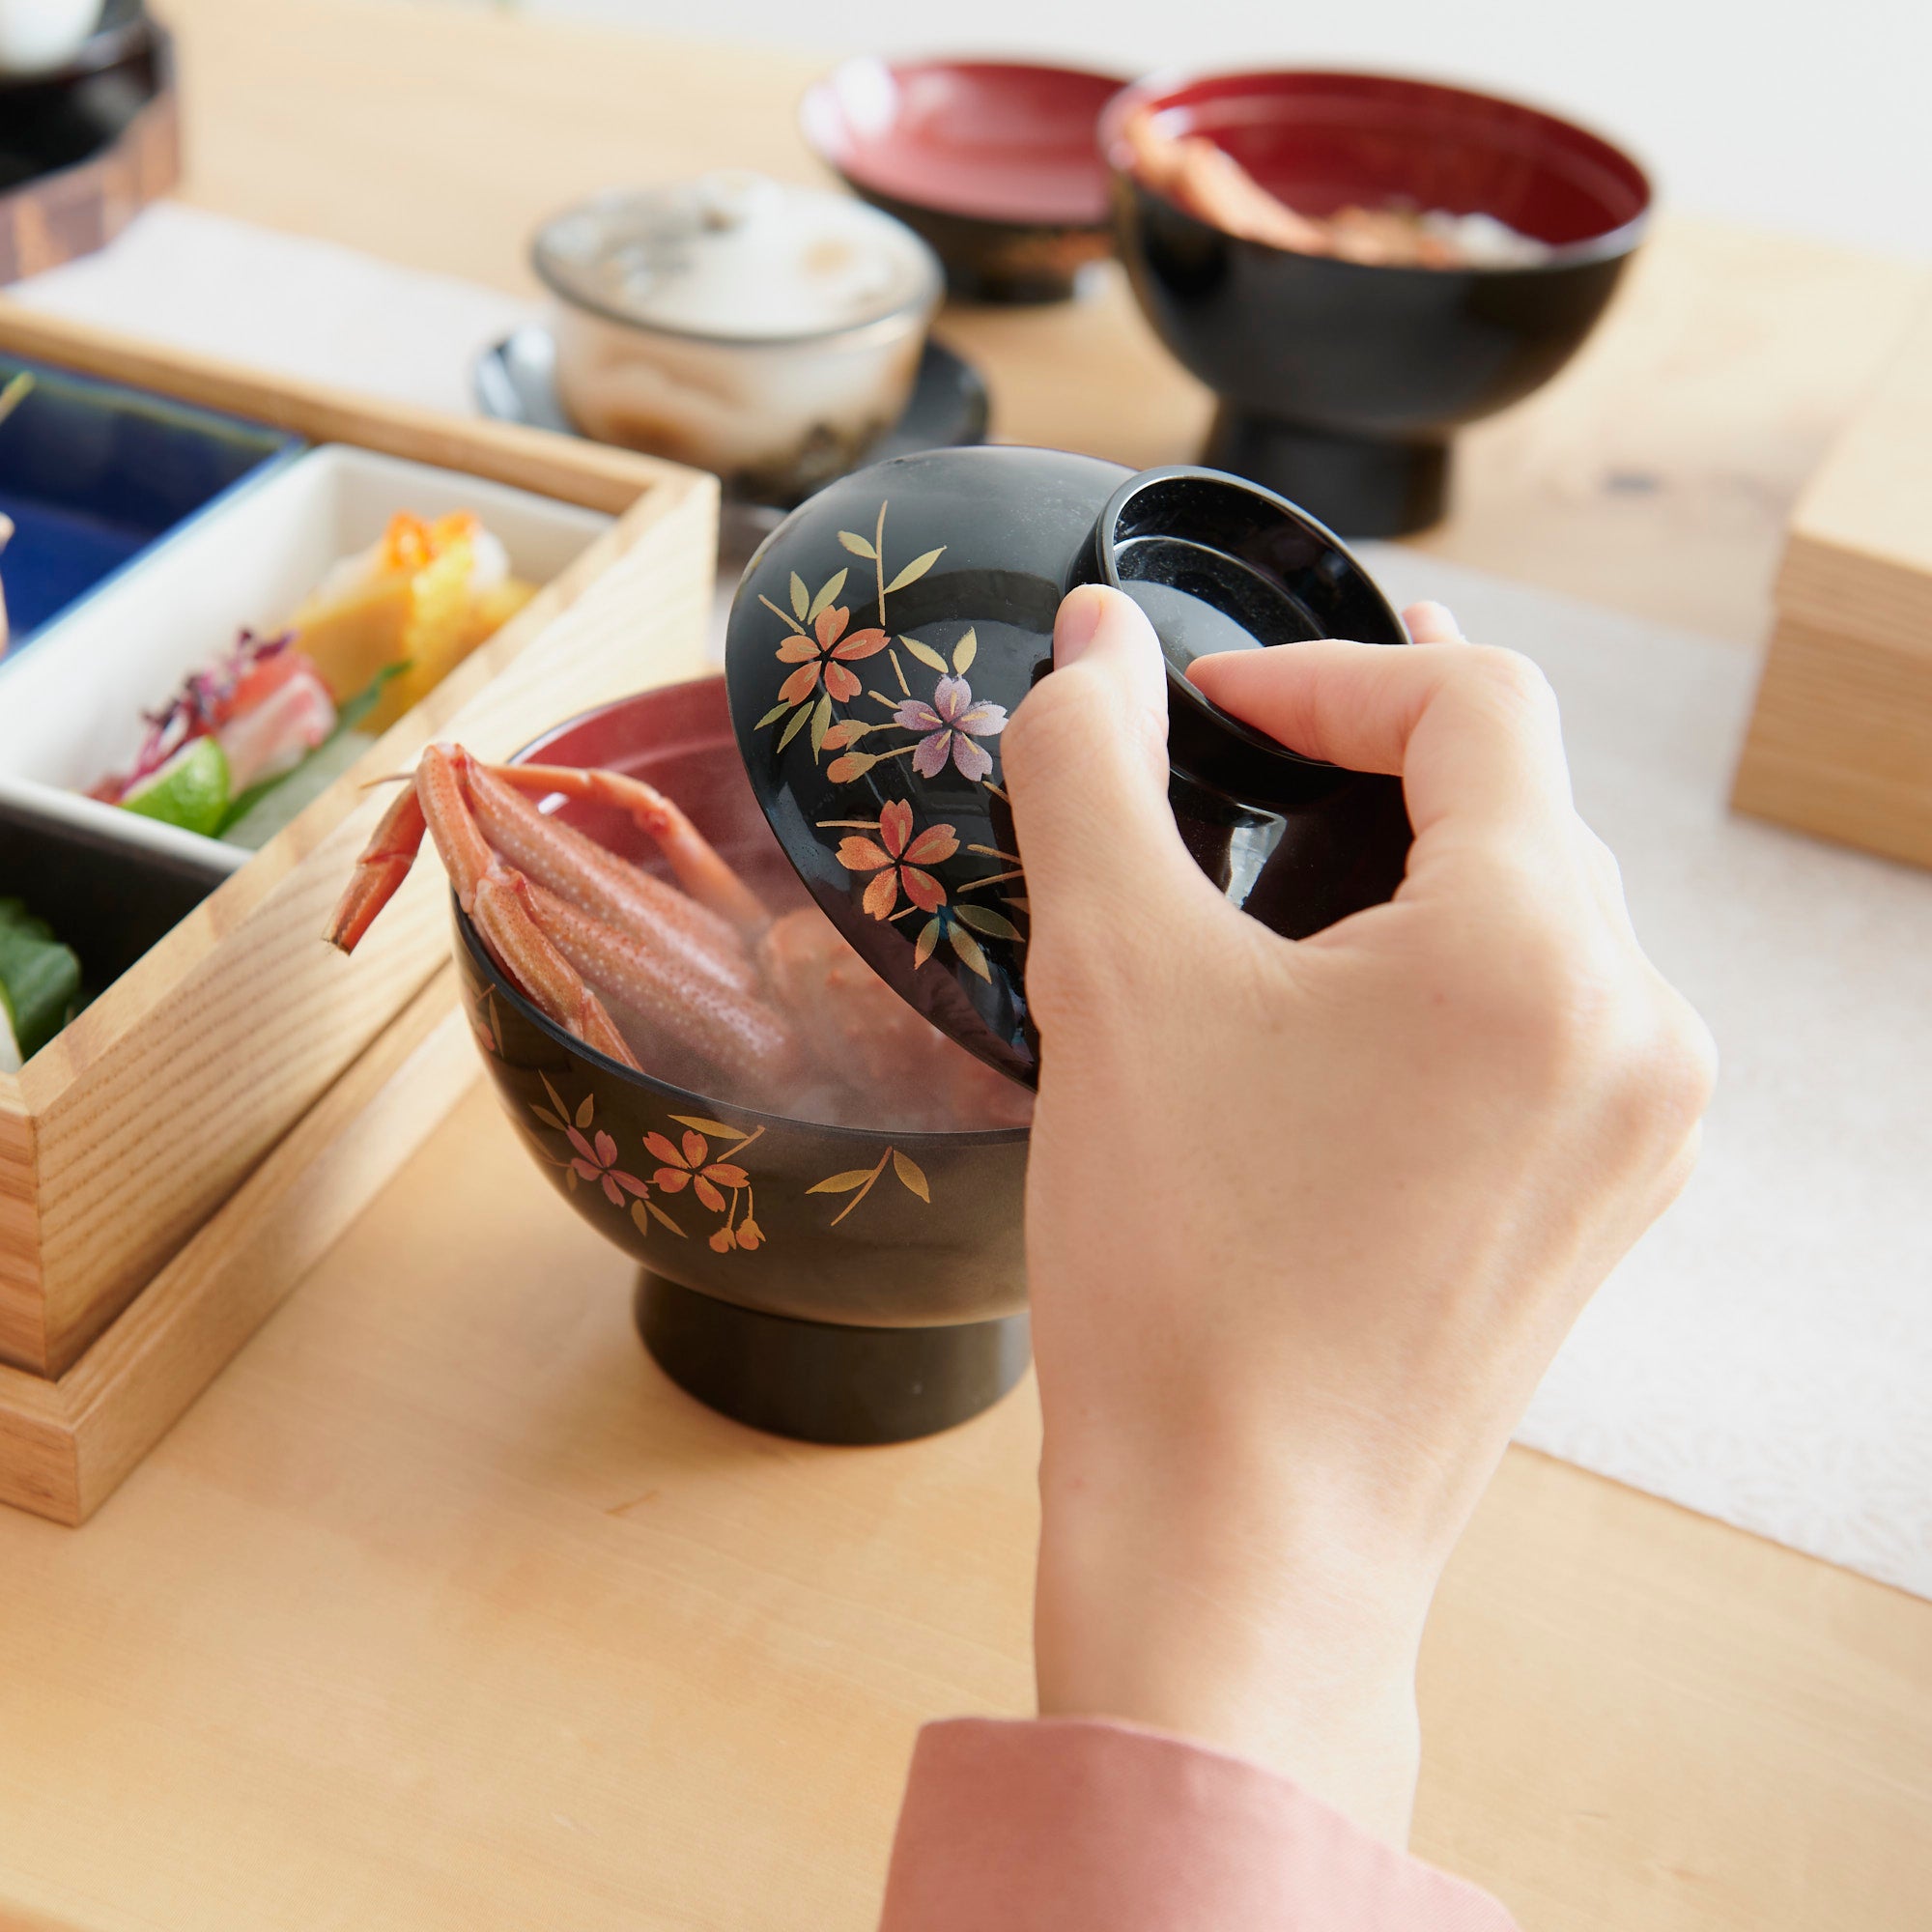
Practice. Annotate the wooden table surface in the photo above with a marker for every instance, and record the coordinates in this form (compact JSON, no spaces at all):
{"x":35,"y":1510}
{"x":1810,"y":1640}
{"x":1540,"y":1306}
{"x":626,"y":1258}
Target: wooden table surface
{"x":444,"y":1609}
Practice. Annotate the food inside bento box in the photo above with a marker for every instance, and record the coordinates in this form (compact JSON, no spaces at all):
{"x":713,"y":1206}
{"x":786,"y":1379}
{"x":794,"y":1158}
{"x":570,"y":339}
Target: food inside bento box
{"x":40,"y":984}
{"x":250,"y":740}
{"x":227,"y":678}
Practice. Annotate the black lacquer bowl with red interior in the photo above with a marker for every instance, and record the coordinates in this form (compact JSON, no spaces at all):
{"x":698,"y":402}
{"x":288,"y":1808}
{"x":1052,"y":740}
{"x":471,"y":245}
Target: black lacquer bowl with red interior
{"x":1340,"y":381}
{"x":823,"y":1282}
{"x":859,"y":1284}
{"x":994,"y":162}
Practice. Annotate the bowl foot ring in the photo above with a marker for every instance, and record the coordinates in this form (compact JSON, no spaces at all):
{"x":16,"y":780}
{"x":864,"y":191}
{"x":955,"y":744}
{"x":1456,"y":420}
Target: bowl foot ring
{"x":824,"y":1382}
{"x":1358,"y":486}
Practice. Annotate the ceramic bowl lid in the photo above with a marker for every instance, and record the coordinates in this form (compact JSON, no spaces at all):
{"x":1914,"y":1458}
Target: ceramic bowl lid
{"x":883,"y":635}
{"x":736,"y":257}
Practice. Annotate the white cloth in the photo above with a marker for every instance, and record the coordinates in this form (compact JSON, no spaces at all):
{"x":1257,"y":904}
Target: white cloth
{"x":1765,"y":1357}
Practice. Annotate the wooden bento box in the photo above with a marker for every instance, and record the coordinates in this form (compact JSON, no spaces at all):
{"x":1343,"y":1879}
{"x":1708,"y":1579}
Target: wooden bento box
{"x":173,"y":1159}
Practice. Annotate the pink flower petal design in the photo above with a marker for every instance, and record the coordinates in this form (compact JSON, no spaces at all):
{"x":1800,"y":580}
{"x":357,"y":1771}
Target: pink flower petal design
{"x":915,"y":713}
{"x":928,"y":760}
{"x":975,"y":761}
{"x":982,"y":721}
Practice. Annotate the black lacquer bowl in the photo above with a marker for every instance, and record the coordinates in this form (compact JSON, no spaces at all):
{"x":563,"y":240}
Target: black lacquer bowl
{"x":993,"y":162}
{"x":821,"y":1281}
{"x":1341,"y":383}
{"x":883,"y":635}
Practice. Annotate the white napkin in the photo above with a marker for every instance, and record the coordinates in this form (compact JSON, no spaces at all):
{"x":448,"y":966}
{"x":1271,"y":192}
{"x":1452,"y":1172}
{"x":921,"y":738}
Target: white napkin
{"x":1765,"y":1356}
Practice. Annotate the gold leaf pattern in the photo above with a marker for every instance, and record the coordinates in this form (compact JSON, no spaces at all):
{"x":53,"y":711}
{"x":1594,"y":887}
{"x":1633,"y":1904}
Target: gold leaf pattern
{"x":801,"y":598}
{"x":859,"y":546}
{"x":827,"y":592}
{"x":916,"y":569}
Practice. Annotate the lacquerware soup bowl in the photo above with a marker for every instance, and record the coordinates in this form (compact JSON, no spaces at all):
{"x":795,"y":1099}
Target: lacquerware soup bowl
{"x":834,"y":1284}
{"x":994,"y":162}
{"x":1341,"y":383}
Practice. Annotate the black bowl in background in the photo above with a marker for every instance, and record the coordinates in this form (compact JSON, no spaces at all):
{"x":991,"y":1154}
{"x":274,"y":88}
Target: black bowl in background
{"x":1341,"y":383}
{"x":994,"y":162}
{"x":829,"y":1283}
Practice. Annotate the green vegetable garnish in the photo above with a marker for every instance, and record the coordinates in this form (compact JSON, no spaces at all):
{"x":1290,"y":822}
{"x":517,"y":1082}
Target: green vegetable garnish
{"x":40,"y":984}
{"x":190,"y":790}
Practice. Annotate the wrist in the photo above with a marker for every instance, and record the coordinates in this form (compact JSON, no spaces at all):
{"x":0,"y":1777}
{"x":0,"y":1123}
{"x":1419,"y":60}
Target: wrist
{"x":1243,"y":1612}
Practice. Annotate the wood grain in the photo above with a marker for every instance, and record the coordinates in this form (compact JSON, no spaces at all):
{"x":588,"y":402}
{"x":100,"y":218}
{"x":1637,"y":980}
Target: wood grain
{"x":141,"y":1117}
{"x":442,"y":1608}
{"x":66,"y":1446}
{"x":1841,"y":738}
{"x":1655,"y":475}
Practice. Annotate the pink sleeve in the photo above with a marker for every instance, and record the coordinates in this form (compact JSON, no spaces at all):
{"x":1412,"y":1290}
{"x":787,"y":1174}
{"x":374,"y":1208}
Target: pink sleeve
{"x":1070,"y":1826}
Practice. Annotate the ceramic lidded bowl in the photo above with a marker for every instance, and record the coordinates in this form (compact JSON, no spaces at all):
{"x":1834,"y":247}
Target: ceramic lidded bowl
{"x":1340,"y":381}
{"x":994,"y":162}
{"x":884,"y":634}
{"x":831,"y":1283}
{"x":767,"y":332}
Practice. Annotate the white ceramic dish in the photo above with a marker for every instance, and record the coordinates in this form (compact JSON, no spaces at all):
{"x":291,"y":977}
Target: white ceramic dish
{"x":767,"y":332}
{"x":70,"y":708}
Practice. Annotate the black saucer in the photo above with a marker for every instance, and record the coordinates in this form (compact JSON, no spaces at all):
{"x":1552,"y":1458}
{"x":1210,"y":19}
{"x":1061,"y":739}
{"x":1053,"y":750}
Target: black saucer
{"x":516,"y":382}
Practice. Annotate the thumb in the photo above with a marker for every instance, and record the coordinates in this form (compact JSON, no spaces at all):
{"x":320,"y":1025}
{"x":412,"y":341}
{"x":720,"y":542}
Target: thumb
{"x":1086,"y":766}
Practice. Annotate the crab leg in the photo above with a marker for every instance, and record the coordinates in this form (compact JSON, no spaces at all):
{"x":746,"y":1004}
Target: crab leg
{"x":501,"y":907}
{"x":575,"y":867}
{"x":695,"y":861}
{"x":715,"y":1028}
{"x":495,"y":896}
{"x":382,"y":868}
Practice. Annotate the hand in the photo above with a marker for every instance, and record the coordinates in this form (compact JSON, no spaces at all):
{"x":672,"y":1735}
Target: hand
{"x":1306,"y":1221}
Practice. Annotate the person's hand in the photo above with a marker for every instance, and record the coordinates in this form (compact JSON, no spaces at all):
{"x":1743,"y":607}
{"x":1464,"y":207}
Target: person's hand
{"x":1306,"y":1221}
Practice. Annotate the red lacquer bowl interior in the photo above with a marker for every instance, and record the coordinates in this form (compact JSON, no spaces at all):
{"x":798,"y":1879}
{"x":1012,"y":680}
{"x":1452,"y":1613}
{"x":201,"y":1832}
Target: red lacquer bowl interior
{"x":1321,"y":141}
{"x":679,"y":738}
{"x":997,"y":140}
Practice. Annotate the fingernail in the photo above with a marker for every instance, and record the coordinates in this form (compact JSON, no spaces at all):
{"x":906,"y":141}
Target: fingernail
{"x":1078,"y":622}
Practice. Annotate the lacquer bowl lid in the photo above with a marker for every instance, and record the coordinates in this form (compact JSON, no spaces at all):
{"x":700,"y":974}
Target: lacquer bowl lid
{"x":884,"y":634}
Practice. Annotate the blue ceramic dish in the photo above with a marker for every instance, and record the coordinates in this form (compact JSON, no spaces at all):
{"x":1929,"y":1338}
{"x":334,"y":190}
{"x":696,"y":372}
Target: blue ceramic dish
{"x":93,"y":473}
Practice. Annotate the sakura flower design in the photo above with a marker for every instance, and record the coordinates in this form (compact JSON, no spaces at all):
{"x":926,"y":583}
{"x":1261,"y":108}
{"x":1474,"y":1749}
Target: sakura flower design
{"x":826,"y":654}
{"x":597,"y":1161}
{"x":691,"y":1166}
{"x":896,"y":859}
{"x":948,"y":727}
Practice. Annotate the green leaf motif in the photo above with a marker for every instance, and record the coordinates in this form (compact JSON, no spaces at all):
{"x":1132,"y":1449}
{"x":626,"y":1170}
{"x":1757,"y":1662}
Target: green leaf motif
{"x":915,"y":570}
{"x":772,"y":715}
{"x":827,"y":592}
{"x":925,"y":654}
{"x":859,"y":546}
{"x":800,"y":599}
{"x":798,"y":719}
{"x":964,"y":652}
{"x":928,"y":938}
{"x":982,"y":919}
{"x":821,"y":720}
